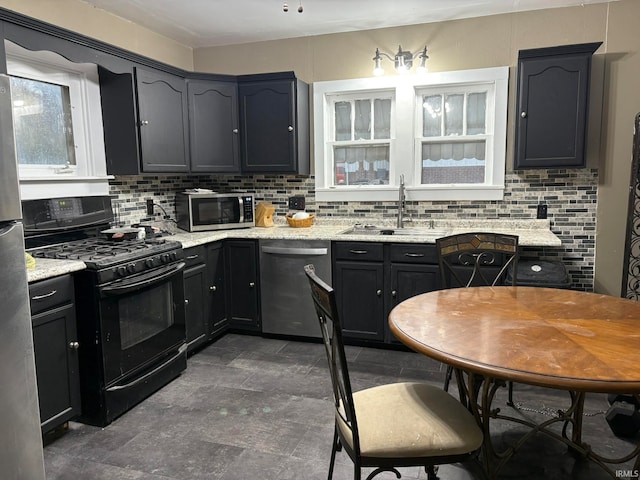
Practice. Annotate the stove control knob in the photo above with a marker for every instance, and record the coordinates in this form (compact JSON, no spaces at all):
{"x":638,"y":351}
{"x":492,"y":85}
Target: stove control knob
{"x":174,"y":256}
{"x":131,"y":268}
{"x":122,"y":271}
{"x":149,"y":262}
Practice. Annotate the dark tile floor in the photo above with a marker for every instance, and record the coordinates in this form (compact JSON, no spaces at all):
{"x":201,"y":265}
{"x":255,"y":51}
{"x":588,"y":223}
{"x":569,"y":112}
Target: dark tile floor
{"x":250,"y":408}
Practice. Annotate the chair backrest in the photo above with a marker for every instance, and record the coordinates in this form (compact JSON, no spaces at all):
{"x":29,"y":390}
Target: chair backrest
{"x":325,"y":303}
{"x":477,"y":259}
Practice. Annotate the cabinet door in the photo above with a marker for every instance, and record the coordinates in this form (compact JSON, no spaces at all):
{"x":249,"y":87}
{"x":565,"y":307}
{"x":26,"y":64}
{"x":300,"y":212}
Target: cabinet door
{"x":241,"y":275}
{"x":213,"y":127}
{"x":359,"y":290}
{"x":195,"y":285}
{"x":56,"y":357}
{"x":163,"y":121}
{"x":268,"y":126}
{"x":553,"y":95}
{"x":408,"y":280}
{"x":216,"y":289}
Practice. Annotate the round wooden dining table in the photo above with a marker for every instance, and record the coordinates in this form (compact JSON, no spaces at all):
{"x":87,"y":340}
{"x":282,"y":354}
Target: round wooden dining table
{"x":555,"y":338}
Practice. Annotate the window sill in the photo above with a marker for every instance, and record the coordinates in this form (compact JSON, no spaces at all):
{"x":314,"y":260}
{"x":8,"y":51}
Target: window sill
{"x":32,"y":188}
{"x":433,"y":193}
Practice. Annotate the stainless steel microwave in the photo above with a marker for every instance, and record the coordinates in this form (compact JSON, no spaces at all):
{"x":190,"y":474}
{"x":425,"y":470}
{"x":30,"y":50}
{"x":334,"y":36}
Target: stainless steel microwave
{"x":199,"y":212}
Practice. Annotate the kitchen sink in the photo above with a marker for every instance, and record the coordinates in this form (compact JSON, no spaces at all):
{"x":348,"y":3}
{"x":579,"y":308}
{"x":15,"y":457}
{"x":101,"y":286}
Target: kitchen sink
{"x":372,"y":230}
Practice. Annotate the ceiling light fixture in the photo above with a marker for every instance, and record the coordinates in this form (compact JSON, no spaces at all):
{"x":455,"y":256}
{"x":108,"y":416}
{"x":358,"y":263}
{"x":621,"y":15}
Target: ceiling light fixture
{"x":285,"y":7}
{"x":403,"y":61}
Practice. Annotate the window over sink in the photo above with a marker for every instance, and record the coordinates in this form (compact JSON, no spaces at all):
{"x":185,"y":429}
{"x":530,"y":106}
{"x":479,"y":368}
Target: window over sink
{"x":445,"y":132}
{"x":57,"y":121}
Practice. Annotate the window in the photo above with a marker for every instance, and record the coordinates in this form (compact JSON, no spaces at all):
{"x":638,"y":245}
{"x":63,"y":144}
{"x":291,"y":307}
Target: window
{"x":360,"y":139}
{"x":57,"y":122}
{"x":43,"y":127}
{"x":444,"y":132}
{"x":452,"y":134}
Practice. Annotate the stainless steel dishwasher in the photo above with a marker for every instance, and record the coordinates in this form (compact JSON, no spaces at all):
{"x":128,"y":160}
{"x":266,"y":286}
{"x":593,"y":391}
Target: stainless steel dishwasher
{"x":287,"y":308}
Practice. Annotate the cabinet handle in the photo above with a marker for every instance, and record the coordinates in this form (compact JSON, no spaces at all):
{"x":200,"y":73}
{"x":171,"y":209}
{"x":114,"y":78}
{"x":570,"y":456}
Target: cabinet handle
{"x":191,"y":257}
{"x":74,"y":345}
{"x":213,"y":288}
{"x":144,"y":122}
{"x":523,"y":114}
{"x":290,"y":128}
{"x":394,"y":294}
{"x":235,"y":130}
{"x":186,"y":301}
{"x":358,"y":252}
{"x":252,"y":284}
{"x":379,"y":292}
{"x":44,"y":295}
{"x":414,"y":255}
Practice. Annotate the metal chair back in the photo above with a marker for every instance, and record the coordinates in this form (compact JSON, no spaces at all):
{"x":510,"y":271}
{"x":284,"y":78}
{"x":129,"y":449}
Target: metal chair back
{"x":327,"y":311}
{"x":477,"y":259}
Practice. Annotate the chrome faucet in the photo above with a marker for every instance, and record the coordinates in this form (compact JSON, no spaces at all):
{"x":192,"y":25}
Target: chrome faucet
{"x":401,"y":202}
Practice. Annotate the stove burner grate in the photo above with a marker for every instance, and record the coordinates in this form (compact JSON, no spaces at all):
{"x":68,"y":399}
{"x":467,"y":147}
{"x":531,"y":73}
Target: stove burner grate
{"x":99,"y":253}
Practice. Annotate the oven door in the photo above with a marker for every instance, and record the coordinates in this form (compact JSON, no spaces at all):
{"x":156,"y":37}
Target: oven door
{"x":142,"y":318}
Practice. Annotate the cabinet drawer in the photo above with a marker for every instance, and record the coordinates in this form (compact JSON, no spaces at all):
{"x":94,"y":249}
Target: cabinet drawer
{"x":413,"y":253}
{"x":195,"y":255}
{"x":50,"y":293}
{"x":365,"y":251}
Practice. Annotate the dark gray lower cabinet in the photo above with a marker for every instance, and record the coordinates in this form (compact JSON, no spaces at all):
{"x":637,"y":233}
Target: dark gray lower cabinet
{"x":360,"y":299}
{"x":241,"y":279}
{"x":56,"y":346}
{"x":216,"y":289}
{"x":372,"y":278}
{"x":195,"y":296}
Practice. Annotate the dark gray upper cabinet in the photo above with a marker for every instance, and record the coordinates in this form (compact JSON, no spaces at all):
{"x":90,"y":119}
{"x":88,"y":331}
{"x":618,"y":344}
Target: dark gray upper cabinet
{"x":145,"y":122}
{"x":274,"y":123}
{"x":552,"y":106}
{"x":163,"y":120}
{"x":213,"y":126}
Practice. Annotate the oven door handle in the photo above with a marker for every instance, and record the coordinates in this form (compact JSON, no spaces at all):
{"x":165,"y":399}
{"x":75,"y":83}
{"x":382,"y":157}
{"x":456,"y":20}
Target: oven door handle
{"x":181,"y":350}
{"x":149,"y":279}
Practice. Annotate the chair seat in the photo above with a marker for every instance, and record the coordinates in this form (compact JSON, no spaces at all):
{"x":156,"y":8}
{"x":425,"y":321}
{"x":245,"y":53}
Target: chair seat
{"x":410,"y":420}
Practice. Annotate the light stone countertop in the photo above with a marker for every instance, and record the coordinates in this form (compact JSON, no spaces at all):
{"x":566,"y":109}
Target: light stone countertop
{"x":531,"y":233}
{"x":48,"y":268}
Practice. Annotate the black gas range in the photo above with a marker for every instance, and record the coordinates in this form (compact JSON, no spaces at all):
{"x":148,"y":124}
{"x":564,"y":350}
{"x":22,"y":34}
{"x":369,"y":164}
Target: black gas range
{"x":129,"y":302}
{"x":112,"y":259}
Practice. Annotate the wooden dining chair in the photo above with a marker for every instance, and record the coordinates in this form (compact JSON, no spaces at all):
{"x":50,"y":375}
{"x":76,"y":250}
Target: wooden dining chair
{"x":394,"y":425}
{"x":477,"y":259}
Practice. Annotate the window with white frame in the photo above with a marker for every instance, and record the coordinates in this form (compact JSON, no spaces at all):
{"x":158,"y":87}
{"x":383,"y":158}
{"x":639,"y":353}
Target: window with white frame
{"x":360,"y":138}
{"x":445,"y":132}
{"x":57,"y":121}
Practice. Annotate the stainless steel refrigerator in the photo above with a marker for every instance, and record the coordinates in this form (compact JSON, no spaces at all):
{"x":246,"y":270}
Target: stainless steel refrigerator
{"x":21,"y":456}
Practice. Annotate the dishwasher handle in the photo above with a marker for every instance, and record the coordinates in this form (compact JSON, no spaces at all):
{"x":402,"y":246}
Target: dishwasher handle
{"x":295,"y":251}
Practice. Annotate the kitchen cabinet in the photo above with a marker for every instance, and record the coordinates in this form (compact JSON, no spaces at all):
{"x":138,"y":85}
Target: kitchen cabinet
{"x":214,"y":138}
{"x":216,"y":289}
{"x":372,"y":278}
{"x":274,"y":123}
{"x":552,"y":106}
{"x":145,"y":121}
{"x":358,"y":279}
{"x":242,"y":282}
{"x":195,"y":297}
{"x":55,"y":344}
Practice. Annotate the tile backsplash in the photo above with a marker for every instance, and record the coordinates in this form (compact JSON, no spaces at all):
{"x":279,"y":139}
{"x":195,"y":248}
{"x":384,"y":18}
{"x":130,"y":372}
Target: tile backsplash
{"x":570,"y":196}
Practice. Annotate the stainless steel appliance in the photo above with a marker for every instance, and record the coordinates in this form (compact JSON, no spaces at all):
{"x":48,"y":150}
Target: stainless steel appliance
{"x":287,"y":307}
{"x":197,"y":212}
{"x":129,"y":303}
{"x":21,"y":439}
